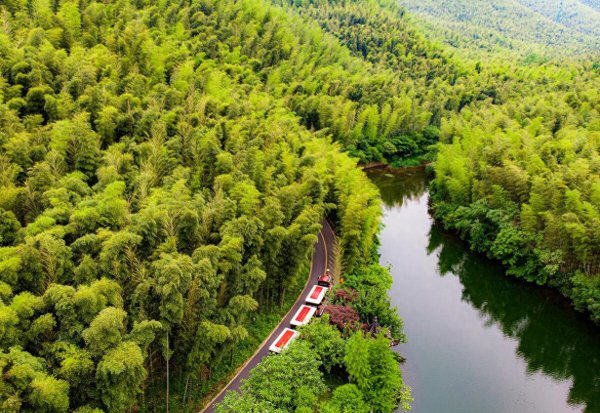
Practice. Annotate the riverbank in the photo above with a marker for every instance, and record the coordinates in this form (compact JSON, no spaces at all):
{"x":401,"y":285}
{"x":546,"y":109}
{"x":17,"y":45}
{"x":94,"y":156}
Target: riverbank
{"x":373,"y":167}
{"x":557,"y":287}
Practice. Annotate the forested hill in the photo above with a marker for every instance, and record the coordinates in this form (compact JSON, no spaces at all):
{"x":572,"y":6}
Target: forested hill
{"x":157,"y":188}
{"x":564,"y":27}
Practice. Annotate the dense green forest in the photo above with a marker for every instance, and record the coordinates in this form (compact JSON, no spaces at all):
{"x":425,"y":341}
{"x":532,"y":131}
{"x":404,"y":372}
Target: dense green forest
{"x":521,"y":181}
{"x":517,"y":173}
{"x":157,"y":189}
{"x":549,"y":27}
{"x":416,"y":81}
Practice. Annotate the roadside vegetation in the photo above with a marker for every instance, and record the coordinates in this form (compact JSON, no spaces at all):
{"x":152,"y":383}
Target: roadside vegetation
{"x":339,"y":345}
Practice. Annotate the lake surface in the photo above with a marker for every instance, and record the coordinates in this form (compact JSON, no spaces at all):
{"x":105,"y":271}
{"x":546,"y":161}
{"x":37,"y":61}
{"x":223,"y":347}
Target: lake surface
{"x":478,"y":341}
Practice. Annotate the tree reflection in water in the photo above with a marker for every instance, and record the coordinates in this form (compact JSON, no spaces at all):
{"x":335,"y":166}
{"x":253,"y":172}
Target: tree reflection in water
{"x":414,"y":183}
{"x":552,"y":338}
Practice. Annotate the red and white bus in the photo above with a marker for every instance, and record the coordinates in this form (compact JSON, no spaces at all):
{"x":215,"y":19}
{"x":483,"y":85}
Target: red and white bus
{"x":283,"y":340}
{"x":316,"y":295}
{"x":303,"y":315}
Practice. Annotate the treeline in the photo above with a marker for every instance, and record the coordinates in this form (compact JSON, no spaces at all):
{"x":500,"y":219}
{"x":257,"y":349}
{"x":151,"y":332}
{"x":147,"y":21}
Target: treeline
{"x":366,"y":108}
{"x":355,"y":71}
{"x":546,"y":27}
{"x":155,"y":190}
{"x":402,"y":93}
{"x":531,"y":320}
{"x":575,"y":14}
{"x":428,"y":82}
{"x":521,"y":182}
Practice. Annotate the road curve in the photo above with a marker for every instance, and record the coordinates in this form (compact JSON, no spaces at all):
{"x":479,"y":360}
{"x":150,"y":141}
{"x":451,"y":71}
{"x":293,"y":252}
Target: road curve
{"x":322,"y":258}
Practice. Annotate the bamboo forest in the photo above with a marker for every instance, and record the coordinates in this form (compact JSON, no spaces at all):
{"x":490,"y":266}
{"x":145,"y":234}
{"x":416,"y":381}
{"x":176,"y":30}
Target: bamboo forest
{"x":190,"y":222}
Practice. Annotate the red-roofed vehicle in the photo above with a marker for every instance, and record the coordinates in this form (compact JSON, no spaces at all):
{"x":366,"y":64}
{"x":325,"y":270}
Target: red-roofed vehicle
{"x":316,"y":295}
{"x":283,"y":340}
{"x":303,"y":315}
{"x":326,"y":280}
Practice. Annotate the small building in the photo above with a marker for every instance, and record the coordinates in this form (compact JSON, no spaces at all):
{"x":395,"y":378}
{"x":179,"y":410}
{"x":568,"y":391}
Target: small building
{"x":316,"y":295}
{"x":283,"y":340}
{"x":303,"y":315}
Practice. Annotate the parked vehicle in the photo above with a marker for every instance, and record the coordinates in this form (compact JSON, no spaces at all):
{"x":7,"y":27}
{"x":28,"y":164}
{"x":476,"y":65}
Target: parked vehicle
{"x":315,"y":305}
{"x":316,"y":295}
{"x":303,"y":315}
{"x":283,"y":340}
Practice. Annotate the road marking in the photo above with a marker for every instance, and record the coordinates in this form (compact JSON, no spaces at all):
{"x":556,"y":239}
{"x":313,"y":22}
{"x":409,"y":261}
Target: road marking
{"x":325,"y":246}
{"x":267,"y":340}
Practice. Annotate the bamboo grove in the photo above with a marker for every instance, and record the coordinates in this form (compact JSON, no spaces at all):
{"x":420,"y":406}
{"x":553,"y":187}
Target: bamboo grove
{"x":154,"y":193}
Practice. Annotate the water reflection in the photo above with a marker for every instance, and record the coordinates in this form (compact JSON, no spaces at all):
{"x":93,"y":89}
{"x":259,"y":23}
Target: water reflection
{"x":414,"y":184}
{"x":552,"y":338}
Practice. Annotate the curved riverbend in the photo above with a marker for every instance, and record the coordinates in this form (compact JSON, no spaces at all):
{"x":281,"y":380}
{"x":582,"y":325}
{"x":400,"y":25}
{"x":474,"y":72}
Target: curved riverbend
{"x":322,"y":258}
{"x":479,"y":341}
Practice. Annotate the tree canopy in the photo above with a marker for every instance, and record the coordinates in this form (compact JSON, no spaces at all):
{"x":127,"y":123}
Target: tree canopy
{"x":156,"y":189}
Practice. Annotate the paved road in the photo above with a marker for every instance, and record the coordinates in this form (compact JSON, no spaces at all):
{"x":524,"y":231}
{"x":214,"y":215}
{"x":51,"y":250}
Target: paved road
{"x":322,"y":258}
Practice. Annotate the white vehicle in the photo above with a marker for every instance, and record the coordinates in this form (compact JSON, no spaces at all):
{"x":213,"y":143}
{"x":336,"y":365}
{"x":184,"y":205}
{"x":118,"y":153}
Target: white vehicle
{"x":303,"y":315}
{"x":283,"y":340}
{"x":316,"y":295}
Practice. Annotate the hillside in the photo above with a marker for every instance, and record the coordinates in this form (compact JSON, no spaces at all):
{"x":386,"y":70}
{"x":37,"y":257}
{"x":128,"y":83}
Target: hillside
{"x":164,"y":171}
{"x":567,"y":27}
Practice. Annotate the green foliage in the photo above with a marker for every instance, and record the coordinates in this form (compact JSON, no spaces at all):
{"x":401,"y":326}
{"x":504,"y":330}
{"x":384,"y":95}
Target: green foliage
{"x":280,"y":383}
{"x":372,"y":283}
{"x":368,"y":361}
{"x":519,"y":181}
{"x":391,"y":109}
{"x":346,"y":399}
{"x":162,"y":176}
{"x":120,"y":374}
{"x":326,"y":341}
{"x":27,"y":386}
{"x":374,"y":369}
{"x":529,"y":27}
{"x":105,"y":330}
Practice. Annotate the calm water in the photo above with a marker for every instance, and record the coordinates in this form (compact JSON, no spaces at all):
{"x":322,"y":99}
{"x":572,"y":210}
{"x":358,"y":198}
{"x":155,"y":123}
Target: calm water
{"x":479,"y":342}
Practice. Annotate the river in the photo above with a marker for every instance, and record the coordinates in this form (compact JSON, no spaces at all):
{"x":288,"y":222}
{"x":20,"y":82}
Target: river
{"x":478,"y":341}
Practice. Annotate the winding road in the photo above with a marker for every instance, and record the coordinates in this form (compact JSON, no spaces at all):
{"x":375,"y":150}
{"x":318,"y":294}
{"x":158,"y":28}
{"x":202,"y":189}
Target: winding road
{"x":322,"y":258}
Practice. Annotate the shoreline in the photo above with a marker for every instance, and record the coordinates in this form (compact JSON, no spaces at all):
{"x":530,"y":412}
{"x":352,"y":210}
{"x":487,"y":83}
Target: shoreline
{"x":383,"y":167}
